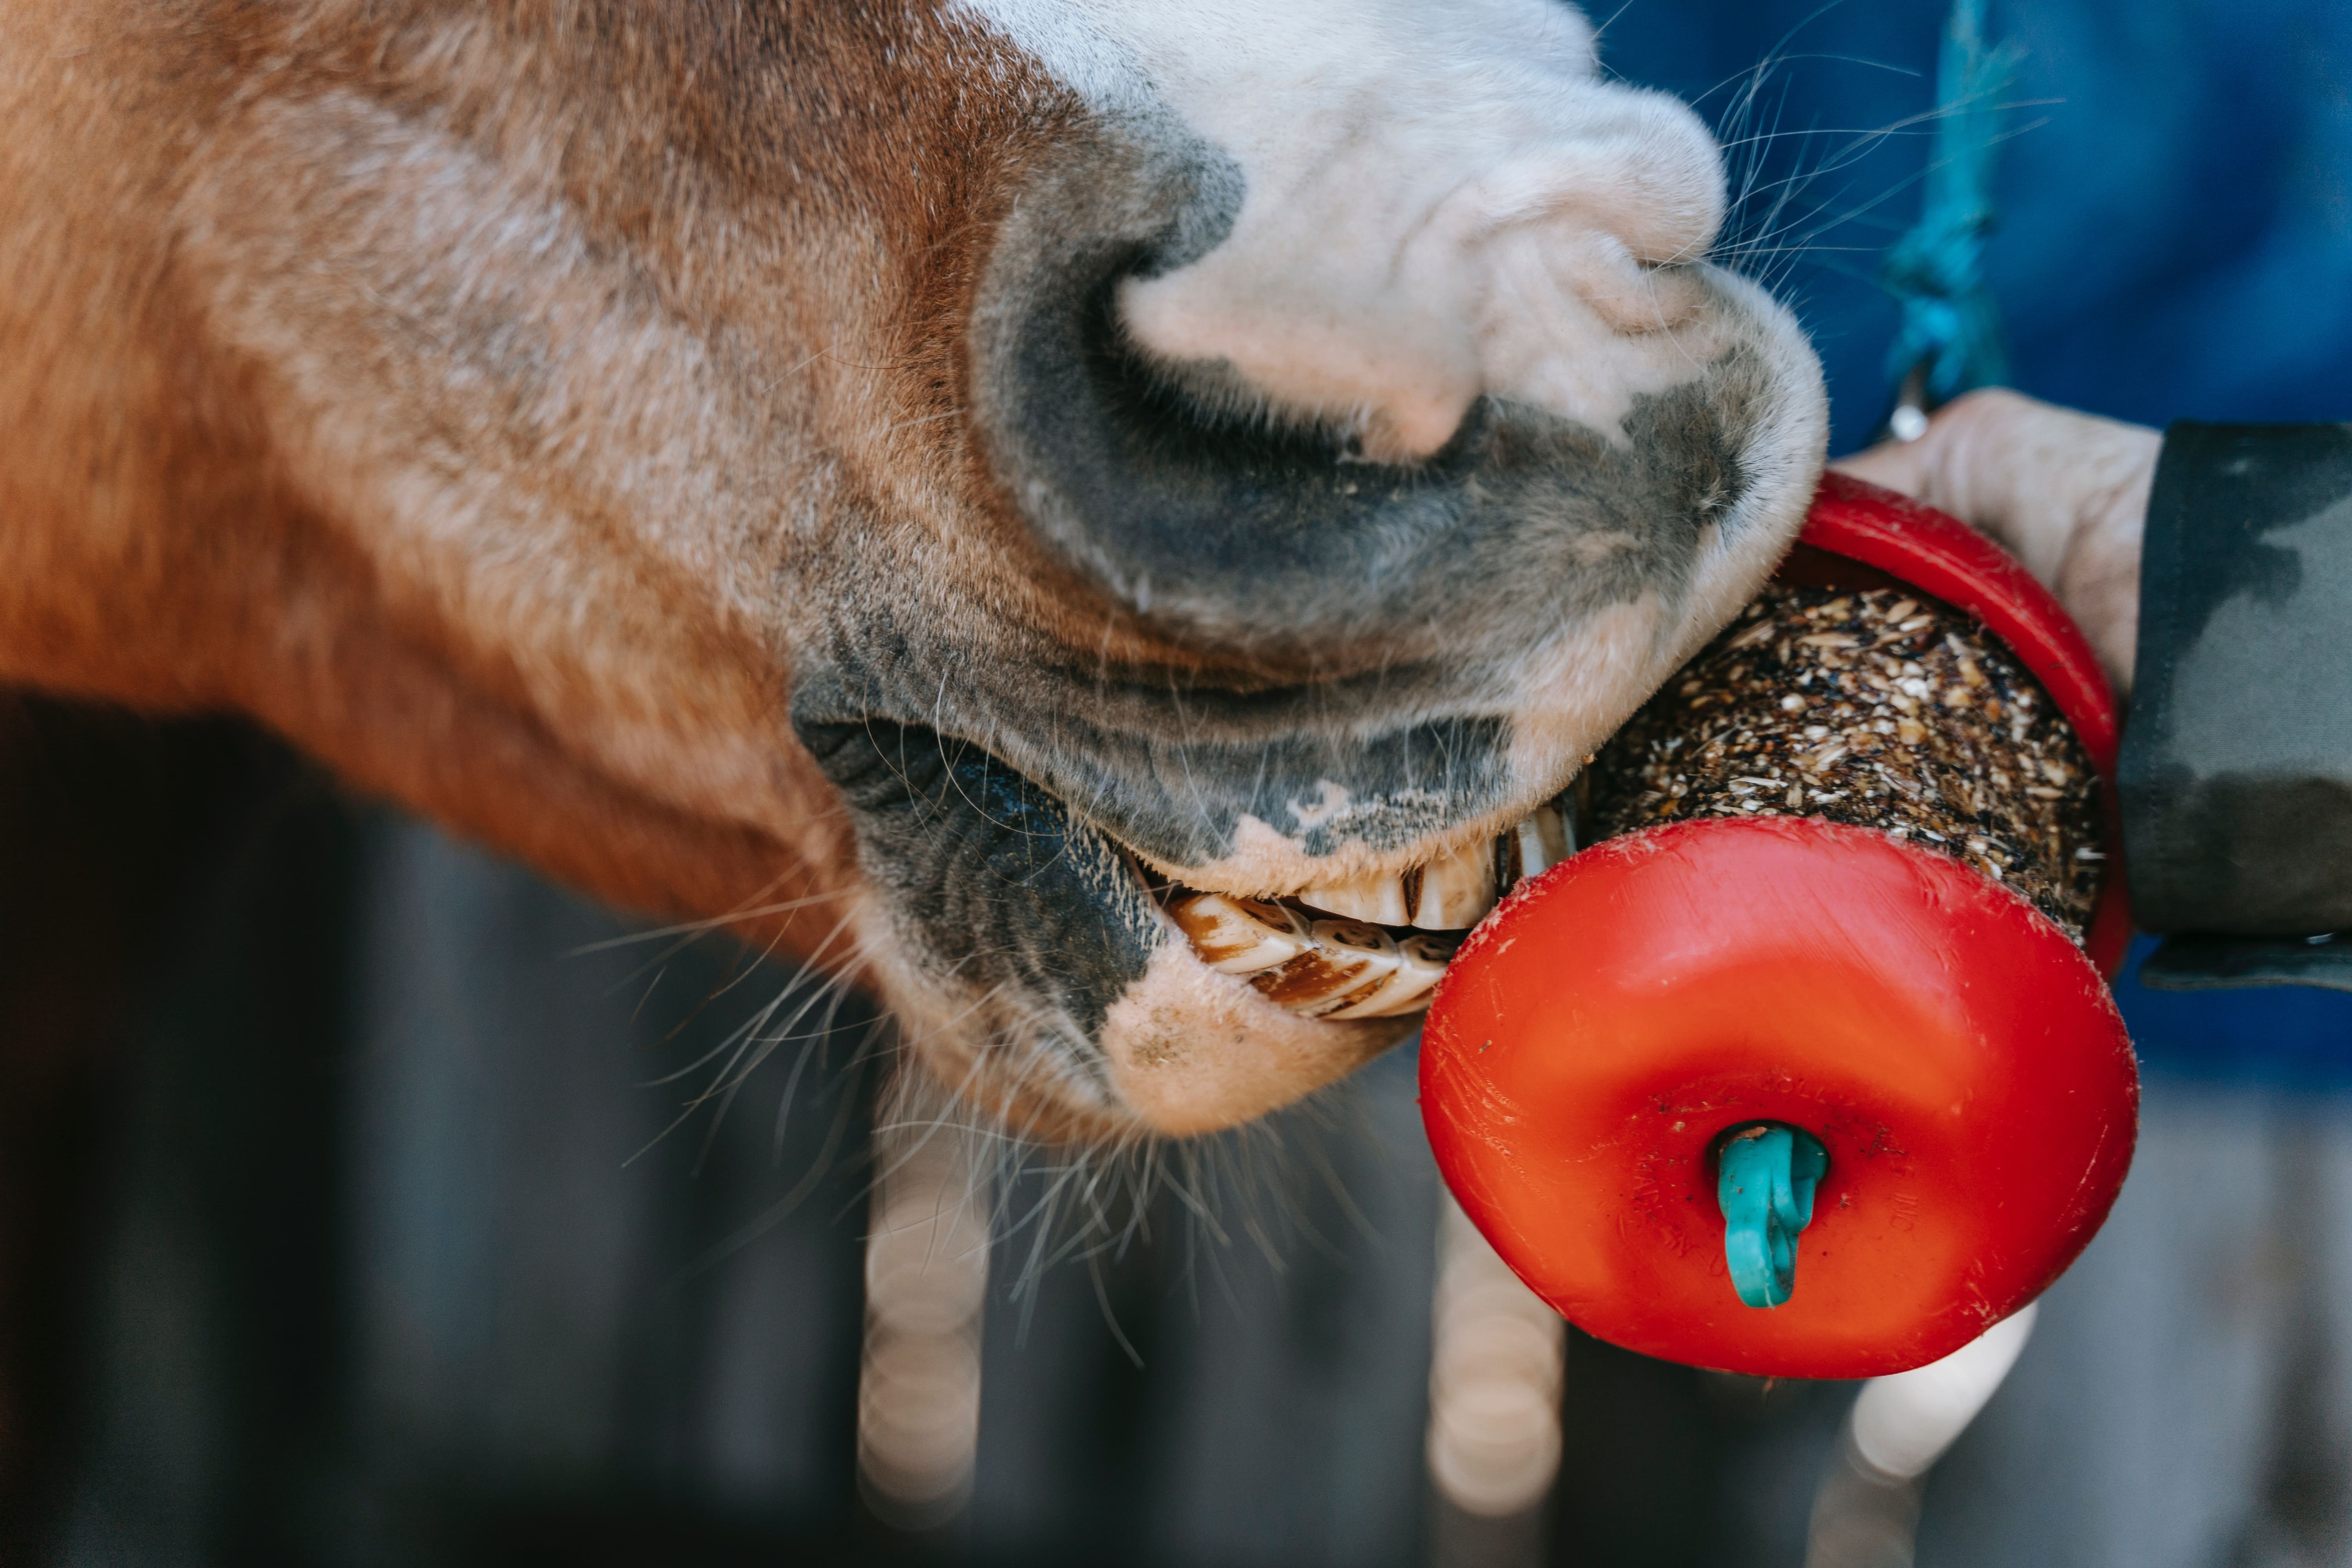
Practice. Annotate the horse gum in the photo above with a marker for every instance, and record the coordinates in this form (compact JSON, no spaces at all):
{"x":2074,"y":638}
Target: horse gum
{"x":1875,"y":709}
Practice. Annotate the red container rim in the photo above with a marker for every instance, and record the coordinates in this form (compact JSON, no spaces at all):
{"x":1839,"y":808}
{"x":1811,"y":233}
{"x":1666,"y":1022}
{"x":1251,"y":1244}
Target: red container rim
{"x":1937,"y":553}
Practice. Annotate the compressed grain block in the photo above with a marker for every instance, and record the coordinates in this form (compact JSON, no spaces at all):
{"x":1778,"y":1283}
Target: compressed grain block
{"x":1879,"y":709}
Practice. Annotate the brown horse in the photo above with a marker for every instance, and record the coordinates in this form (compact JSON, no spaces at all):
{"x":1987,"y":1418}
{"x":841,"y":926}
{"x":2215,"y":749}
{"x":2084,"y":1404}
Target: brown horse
{"x":1089,"y":516}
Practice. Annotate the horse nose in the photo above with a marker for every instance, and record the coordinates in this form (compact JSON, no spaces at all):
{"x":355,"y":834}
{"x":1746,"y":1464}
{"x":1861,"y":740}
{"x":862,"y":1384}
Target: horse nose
{"x":1320,"y":653}
{"x":1383,"y":288}
{"x":1294,"y":401}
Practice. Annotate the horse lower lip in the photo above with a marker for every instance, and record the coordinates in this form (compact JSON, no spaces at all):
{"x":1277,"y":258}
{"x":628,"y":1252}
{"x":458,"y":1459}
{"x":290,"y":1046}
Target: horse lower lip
{"x":1383,"y":951}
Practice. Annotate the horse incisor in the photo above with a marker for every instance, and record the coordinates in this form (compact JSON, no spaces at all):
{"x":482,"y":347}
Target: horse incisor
{"x":945,"y":486}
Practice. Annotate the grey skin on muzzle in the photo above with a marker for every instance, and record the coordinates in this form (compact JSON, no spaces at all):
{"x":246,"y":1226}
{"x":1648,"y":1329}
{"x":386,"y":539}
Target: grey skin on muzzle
{"x":1347,"y":640}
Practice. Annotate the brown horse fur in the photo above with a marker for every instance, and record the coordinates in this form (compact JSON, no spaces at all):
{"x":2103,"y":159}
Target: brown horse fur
{"x":593,"y":425}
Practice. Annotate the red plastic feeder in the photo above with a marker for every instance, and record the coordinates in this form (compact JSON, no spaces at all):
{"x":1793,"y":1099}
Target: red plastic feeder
{"x":1677,"y":1024}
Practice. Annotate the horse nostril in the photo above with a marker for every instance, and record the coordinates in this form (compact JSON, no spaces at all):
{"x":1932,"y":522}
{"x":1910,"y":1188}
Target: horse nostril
{"x":1291,"y":347}
{"x":1633,"y":298}
{"x":1168,"y":487}
{"x":1264,"y":435}
{"x":1385,"y":290}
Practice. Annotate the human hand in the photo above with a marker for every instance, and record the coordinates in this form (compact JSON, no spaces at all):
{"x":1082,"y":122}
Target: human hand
{"x":2066,"y":493}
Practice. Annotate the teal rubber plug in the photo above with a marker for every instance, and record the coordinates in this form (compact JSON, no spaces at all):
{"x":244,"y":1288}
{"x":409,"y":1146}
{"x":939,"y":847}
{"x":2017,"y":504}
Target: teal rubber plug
{"x":1766,"y":1192}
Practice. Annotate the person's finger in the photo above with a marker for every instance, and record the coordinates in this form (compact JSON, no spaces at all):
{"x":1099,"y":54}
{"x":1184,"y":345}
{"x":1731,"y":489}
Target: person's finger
{"x":1977,"y":454}
{"x":2066,"y":493}
{"x":1893,"y":464}
{"x":2026,"y":472}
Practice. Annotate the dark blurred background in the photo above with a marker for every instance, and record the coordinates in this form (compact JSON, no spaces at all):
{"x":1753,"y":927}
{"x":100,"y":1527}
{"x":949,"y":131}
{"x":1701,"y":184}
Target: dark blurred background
{"x":345,"y":1232}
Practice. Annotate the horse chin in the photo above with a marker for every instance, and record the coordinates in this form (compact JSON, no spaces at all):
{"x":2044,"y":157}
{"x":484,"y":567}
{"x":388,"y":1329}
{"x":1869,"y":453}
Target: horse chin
{"x":1192,"y":1050}
{"x":1053,"y":977}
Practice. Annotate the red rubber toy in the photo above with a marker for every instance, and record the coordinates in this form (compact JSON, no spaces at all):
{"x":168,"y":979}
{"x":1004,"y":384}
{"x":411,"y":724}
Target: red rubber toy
{"x":1619,"y":1019}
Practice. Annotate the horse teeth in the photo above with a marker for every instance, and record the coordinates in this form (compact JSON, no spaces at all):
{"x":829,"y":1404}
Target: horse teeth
{"x":1458,"y":890}
{"x":1240,"y":936}
{"x":1375,"y":956}
{"x":1334,"y":960}
{"x":1377,"y":900}
{"x":1541,"y":841}
{"x":1421,"y":965}
{"x":1347,"y":956}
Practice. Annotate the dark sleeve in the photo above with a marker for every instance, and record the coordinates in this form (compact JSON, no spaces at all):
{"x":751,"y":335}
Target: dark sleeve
{"x":2236,"y":775}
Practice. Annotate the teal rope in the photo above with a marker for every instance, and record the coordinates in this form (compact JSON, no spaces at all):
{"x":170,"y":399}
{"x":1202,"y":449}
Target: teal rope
{"x":1950,"y":328}
{"x":1766,"y":1192}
